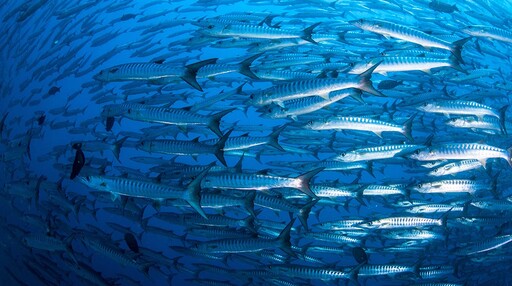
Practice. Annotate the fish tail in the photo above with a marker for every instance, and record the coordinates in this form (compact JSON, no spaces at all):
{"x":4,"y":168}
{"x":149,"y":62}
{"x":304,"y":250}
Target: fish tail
{"x":365,"y":80}
{"x":444,"y":218}
{"x":509,"y":156}
{"x":359,"y":195}
{"x":284,"y":239}
{"x":193,"y":193}
{"x":219,"y":151}
{"x":456,"y":48}
{"x":191,"y":72}
{"x":117,"y":147}
{"x":273,"y":138}
{"x":304,"y":212}
{"x":369,"y":168}
{"x":214,"y":123}
{"x":354,"y":273}
{"x":502,"y":112}
{"x":306,"y":33}
{"x":407,"y":128}
{"x":249,"y":203}
{"x":144,"y":268}
{"x":455,"y":64}
{"x":304,"y":181}
{"x":245,"y":66}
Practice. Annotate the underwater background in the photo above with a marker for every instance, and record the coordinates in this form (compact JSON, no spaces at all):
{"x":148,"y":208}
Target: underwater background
{"x":293,"y":142}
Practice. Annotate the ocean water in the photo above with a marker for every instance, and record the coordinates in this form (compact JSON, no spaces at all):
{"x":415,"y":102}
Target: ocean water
{"x":306,"y":87}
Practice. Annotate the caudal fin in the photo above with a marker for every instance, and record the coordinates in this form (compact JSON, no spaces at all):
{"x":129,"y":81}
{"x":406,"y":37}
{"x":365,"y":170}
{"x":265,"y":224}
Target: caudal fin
{"x":214,"y":123}
{"x":407,"y":128}
{"x":454,"y":63}
{"x":365,"y":81}
{"x":284,"y":239}
{"x":304,"y":212}
{"x":245,"y":66}
{"x":219,"y":147}
{"x":502,"y":113}
{"x":273,"y":138}
{"x":191,"y":72}
{"x":193,"y":193}
{"x":249,"y":203}
{"x":456,"y":48}
{"x":307,"y":33}
{"x":304,"y":181}
{"x":117,"y":147}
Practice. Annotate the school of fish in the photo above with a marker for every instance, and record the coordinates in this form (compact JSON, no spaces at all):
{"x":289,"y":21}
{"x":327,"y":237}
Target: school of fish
{"x":255,"y":142}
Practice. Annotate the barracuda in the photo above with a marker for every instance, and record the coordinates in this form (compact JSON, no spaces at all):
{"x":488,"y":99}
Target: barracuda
{"x":154,"y":72}
{"x":237,"y":245}
{"x":413,"y":234}
{"x":403,"y":222}
{"x":362,"y":124}
{"x":135,"y":188}
{"x":255,"y":32}
{"x":376,"y":153}
{"x":281,"y":204}
{"x":460,"y":107}
{"x":246,"y":181}
{"x":451,"y":186}
{"x":462,"y":151}
{"x":456,"y":167}
{"x":400,"y":64}
{"x":484,"y":245}
{"x":314,"y":87}
{"x":489,"y":33}
{"x":393,"y":30}
{"x":187,"y":147}
{"x":171,"y":116}
{"x":308,"y":272}
{"x":301,"y":106}
{"x":245,"y":142}
{"x":387,"y":269}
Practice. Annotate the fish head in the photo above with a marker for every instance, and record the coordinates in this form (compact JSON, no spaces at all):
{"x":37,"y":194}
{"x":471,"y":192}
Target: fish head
{"x":272,"y":111}
{"x":144,"y":145}
{"x":93,"y":182}
{"x":476,"y":31}
{"x":421,"y":187}
{"x":255,"y":99}
{"x":347,"y":157}
{"x":458,"y":122}
{"x":427,"y":106}
{"x":422,"y":154}
{"x":367,"y":25}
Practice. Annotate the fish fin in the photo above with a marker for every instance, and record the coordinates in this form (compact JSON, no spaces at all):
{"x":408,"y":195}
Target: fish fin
{"x":191,"y":72}
{"x":306,"y":33}
{"x":483,"y":161}
{"x":214,"y":121}
{"x":325,"y":96}
{"x":294,"y":117}
{"x":407,"y":128}
{"x":502,"y":113}
{"x":365,"y":81}
{"x":114,"y":196}
{"x":280,"y":104}
{"x":245,"y":66}
{"x":427,"y":71}
{"x":238,"y":166}
{"x":359,"y":195}
{"x":509,"y":156}
{"x":219,"y":152}
{"x":357,"y":95}
{"x":249,"y":203}
{"x":304,"y":212}
{"x":284,"y":239}
{"x":117,"y":147}
{"x":454,"y":63}
{"x":378,"y":133}
{"x":193,"y":193}
{"x":304,"y":181}
{"x":456,"y":48}
{"x":273,"y":138}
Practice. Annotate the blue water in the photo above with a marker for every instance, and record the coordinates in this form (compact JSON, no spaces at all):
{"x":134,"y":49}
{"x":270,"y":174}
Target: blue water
{"x":49,"y":44}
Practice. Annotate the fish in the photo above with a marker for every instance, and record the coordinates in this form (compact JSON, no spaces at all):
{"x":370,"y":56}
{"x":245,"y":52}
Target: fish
{"x":392,"y":30}
{"x":78,"y":162}
{"x":154,"y":73}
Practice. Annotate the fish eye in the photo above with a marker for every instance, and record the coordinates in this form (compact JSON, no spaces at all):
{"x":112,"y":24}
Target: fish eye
{"x":129,"y":110}
{"x":417,"y":152}
{"x":101,"y":72}
{"x":419,"y":186}
{"x":343,"y":154}
{"x":88,"y":178}
{"x":142,"y":143}
{"x":251,"y":96}
{"x":210,"y":26}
